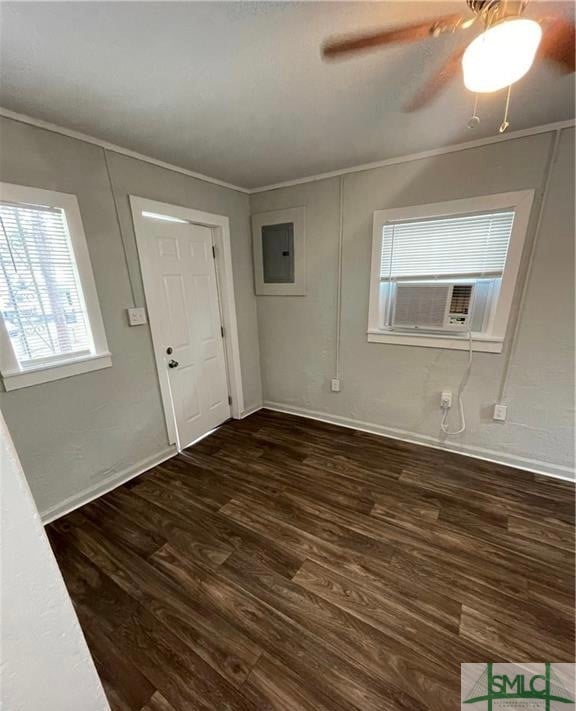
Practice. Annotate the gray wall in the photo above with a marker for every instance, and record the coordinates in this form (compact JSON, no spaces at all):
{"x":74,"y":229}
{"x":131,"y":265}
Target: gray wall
{"x":46,"y":663}
{"x":395,"y":389}
{"x":74,"y":435}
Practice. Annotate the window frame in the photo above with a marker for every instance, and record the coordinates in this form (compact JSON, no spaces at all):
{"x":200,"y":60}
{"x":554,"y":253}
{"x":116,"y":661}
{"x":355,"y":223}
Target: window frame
{"x":490,"y":341}
{"x":13,"y":374}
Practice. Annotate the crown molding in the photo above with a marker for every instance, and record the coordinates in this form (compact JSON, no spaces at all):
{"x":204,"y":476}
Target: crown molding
{"x":23,"y":118}
{"x":544,"y":128}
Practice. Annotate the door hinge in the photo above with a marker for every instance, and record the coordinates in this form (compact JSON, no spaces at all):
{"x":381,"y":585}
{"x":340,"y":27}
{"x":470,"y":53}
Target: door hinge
{"x":213,"y":252}
{"x":222,"y":331}
{"x":229,"y":399}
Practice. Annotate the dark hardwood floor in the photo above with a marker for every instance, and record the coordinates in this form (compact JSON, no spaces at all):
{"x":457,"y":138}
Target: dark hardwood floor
{"x":283,"y":563}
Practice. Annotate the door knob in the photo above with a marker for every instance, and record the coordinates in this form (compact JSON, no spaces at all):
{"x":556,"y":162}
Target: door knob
{"x":172,"y":363}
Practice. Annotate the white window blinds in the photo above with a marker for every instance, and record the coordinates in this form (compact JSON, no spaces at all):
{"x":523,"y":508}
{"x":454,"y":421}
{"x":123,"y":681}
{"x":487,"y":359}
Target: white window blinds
{"x":40,"y":295}
{"x":466,"y":245}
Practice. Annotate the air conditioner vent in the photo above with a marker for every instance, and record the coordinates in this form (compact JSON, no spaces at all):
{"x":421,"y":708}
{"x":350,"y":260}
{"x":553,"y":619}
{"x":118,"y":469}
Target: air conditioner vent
{"x":420,"y":305}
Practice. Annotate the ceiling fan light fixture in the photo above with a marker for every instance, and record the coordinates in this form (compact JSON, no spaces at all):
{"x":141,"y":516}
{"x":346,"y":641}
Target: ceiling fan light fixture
{"x":501,"y":55}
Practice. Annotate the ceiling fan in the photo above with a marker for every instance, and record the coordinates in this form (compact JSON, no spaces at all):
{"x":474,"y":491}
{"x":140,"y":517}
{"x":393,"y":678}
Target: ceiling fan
{"x":496,"y":58}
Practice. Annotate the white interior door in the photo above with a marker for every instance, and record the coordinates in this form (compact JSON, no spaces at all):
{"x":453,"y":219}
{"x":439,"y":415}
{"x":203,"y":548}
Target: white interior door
{"x":181,"y":288}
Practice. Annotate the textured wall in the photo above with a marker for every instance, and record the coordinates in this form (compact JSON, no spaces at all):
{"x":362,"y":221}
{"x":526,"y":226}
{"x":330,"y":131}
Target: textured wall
{"x":396,"y":388}
{"x":45,"y":661}
{"x":74,"y":434}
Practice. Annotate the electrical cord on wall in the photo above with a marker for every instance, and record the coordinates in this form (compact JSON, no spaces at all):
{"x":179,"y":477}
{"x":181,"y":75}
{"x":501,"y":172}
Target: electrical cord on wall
{"x":338,"y":373}
{"x":463,"y":383}
{"x":119,"y":224}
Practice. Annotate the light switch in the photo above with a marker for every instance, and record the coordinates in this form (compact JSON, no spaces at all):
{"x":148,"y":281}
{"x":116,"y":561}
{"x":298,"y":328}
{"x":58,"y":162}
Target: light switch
{"x":137,"y":316}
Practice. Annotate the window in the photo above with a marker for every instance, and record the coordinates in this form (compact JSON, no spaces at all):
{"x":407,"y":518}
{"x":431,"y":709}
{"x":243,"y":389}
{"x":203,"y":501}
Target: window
{"x":444,"y":273}
{"x":51,"y":325}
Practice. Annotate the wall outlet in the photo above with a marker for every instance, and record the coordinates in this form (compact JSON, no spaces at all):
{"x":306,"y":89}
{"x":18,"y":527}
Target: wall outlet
{"x":137,"y":316}
{"x":446,"y":400}
{"x":335,"y":385}
{"x":500,"y":412}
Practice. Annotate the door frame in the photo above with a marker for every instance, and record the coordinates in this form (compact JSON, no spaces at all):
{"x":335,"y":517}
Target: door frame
{"x":220,"y":226}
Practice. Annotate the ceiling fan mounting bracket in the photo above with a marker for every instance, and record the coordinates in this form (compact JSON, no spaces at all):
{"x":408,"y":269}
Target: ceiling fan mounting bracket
{"x":493,"y":10}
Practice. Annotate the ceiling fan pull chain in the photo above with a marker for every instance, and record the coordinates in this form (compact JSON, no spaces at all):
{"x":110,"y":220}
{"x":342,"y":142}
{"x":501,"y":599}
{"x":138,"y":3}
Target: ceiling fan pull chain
{"x":474,"y":120}
{"x":504,"y":125}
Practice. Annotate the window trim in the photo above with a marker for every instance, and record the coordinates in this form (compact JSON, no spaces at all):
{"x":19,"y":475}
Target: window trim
{"x":13,"y":375}
{"x":492,"y":341}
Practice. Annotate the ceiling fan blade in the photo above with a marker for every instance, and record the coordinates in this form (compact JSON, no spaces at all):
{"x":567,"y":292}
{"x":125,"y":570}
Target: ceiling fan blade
{"x":437,"y":82}
{"x":338,"y":46}
{"x":559,"y":43}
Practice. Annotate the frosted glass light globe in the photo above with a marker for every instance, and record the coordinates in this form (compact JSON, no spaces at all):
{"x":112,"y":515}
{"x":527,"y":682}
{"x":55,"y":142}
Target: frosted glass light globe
{"x":501,"y":55}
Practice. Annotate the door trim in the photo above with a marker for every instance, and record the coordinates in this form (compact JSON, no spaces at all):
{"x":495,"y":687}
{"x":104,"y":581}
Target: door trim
{"x":220,"y":225}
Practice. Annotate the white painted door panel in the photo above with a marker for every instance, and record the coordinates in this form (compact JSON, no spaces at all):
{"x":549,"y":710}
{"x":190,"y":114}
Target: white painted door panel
{"x":182,"y":293}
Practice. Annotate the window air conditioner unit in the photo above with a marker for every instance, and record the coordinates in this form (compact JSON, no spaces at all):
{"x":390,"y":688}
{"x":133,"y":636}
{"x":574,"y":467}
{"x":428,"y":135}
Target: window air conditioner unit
{"x":433,"y":306}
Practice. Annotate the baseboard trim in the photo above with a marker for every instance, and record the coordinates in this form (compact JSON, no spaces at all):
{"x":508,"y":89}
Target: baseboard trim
{"x":118,"y":478}
{"x":510,"y":460}
{"x":250,"y":411}
{"x":105,"y":485}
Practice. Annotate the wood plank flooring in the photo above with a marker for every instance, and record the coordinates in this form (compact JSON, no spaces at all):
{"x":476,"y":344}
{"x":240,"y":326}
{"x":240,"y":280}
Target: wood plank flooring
{"x":287,"y":564}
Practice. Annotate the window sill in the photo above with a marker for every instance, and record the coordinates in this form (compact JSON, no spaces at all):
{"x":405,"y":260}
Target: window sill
{"x":483,"y":344}
{"x":55,"y":371}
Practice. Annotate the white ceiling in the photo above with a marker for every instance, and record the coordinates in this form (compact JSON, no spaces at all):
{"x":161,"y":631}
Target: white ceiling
{"x":238,"y":91}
